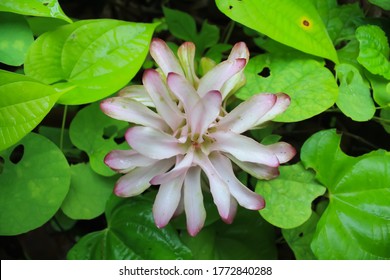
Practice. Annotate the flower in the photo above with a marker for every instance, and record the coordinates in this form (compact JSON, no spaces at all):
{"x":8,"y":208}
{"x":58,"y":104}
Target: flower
{"x":188,"y":132}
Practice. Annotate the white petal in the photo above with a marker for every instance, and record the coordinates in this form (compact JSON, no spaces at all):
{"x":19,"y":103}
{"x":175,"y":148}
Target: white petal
{"x":137,"y":93}
{"x":239,"y":50}
{"x":159,"y":93}
{"x":125,"y":160}
{"x":153,"y":143}
{"x":232,"y":211}
{"x":243,"y":148}
{"x":216,"y":77}
{"x":283,"y":151}
{"x":137,"y":180}
{"x":281,"y":104}
{"x":164,"y":57}
{"x":183,"y":90}
{"x":193,"y":201}
{"x":167,"y":201}
{"x":186,"y":54}
{"x":244,"y":196}
{"x":246,"y":115}
{"x":126,"y":109}
{"x":259,"y":171}
{"x":180,"y":168}
{"x":218,"y":187}
{"x":204,"y":113}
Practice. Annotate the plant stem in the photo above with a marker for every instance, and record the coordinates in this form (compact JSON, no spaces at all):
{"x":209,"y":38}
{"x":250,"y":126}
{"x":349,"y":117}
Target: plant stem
{"x":63,"y":127}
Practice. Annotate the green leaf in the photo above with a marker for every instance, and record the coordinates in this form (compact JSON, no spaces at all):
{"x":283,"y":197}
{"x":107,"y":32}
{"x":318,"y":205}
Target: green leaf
{"x":97,"y":57}
{"x":374,"y":50}
{"x":354,"y":98}
{"x":15,"y":37}
{"x":310,"y":85}
{"x":341,"y":20}
{"x":237,"y":241}
{"x":296,"y":24}
{"x":289,"y":197}
{"x":24,"y":103}
{"x":88,"y":193}
{"x":355,"y":225}
{"x":183,"y":26}
{"x":40,"y":25}
{"x":131,"y":234}
{"x":384,"y":4}
{"x":381,"y":89}
{"x":95,"y":133}
{"x":39,"y":8}
{"x":300,"y":238}
{"x":385,"y":119}
{"x":34,"y":182}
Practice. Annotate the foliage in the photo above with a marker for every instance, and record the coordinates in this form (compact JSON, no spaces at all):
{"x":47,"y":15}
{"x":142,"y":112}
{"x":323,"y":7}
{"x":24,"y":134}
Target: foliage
{"x":331,"y":59}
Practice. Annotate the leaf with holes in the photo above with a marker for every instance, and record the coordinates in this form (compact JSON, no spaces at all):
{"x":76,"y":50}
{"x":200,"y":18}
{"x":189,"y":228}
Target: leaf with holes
{"x":289,"y":197}
{"x":354,"y":98}
{"x":310,"y":85}
{"x":15,"y":37}
{"x":88,"y":193}
{"x":24,"y":103}
{"x":293,"y":23}
{"x":131,"y":234}
{"x":38,"y":8}
{"x":374,"y":50}
{"x":355,"y":225}
{"x":97,"y":57}
{"x":34,"y":181}
{"x":95,"y":133}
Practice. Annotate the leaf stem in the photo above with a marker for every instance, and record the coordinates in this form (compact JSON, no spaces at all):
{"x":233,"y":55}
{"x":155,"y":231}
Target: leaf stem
{"x":63,"y":127}
{"x":229,"y":31}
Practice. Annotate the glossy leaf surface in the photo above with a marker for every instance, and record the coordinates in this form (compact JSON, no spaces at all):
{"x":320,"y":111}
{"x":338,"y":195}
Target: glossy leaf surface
{"x":296,"y":24}
{"x":355,"y":224}
{"x":97,"y":57}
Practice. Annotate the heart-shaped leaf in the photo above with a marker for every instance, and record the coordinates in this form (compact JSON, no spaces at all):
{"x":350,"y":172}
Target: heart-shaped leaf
{"x":34,"y":181}
{"x":24,"y":102}
{"x":310,"y":85}
{"x":294,"y":23}
{"x":15,"y":37}
{"x":39,"y":8}
{"x":354,"y":98}
{"x":131,"y":234}
{"x":97,"y":57}
{"x":88,"y":193}
{"x":355,"y":225}
{"x":95,"y":133}
{"x":289,"y":197}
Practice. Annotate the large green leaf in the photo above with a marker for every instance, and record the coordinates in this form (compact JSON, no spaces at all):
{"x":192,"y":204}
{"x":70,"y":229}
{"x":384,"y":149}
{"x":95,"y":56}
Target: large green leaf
{"x":310,"y":85}
{"x":98,"y":57}
{"x":374,"y":50}
{"x":15,"y":37}
{"x":381,"y":89}
{"x":131,"y":234}
{"x":40,"y":8}
{"x":294,"y":23}
{"x":355,"y":225}
{"x":88,"y":193}
{"x":354,"y":98}
{"x":248,"y":237}
{"x":95,"y":133}
{"x":34,"y":181}
{"x":24,"y":102}
{"x":289,"y":197}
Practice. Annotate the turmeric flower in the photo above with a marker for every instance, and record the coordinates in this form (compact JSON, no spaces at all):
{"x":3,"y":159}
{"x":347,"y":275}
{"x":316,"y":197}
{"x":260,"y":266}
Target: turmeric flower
{"x":181,"y":130}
